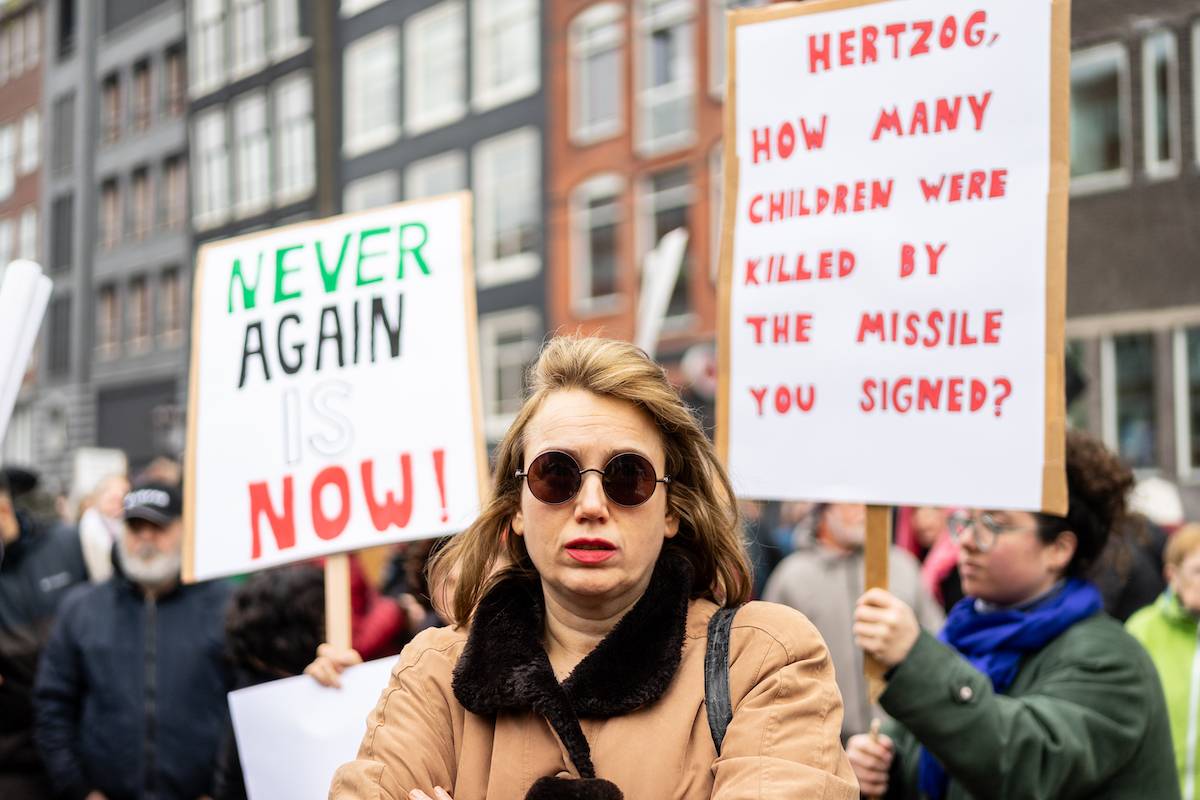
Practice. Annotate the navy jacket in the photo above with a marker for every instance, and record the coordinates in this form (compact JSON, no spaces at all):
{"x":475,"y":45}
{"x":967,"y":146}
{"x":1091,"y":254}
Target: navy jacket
{"x":130,"y":693}
{"x":40,"y":567}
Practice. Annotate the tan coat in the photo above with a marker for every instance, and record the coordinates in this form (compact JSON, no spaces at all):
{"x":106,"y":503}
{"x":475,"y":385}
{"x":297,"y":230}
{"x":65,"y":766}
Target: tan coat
{"x":781,"y":745}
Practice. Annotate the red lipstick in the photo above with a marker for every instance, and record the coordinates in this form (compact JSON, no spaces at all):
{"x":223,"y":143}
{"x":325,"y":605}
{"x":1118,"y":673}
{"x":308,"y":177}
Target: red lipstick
{"x":590,"y":551}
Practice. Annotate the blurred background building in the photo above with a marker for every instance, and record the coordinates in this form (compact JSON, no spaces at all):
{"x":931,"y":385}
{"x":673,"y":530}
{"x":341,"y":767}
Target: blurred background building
{"x":134,"y":131}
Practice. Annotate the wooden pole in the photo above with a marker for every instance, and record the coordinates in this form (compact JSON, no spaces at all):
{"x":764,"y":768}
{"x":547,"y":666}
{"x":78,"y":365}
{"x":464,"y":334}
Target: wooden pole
{"x":337,"y":600}
{"x":877,"y":547}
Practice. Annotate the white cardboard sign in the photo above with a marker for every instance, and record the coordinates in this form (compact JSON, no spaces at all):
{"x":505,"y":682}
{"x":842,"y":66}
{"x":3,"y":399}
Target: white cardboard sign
{"x":334,"y":401}
{"x":893,"y":288}
{"x":24,"y":294}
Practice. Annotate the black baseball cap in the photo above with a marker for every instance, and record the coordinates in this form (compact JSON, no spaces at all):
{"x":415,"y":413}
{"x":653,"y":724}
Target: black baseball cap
{"x":159,"y":503}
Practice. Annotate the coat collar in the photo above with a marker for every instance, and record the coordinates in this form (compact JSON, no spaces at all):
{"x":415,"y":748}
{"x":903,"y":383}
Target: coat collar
{"x":504,"y":667}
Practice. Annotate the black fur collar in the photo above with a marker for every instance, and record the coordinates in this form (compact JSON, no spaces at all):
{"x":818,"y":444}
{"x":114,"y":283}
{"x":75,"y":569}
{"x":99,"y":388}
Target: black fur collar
{"x":504,"y":667}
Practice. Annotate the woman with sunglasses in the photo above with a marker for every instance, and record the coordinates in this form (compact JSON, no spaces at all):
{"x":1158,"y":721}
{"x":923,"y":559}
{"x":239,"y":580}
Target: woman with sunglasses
{"x":585,"y":588}
{"x":1032,"y":692}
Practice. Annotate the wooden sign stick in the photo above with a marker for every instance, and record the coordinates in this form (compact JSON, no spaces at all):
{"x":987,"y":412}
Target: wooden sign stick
{"x":337,"y":600}
{"x":877,"y":547}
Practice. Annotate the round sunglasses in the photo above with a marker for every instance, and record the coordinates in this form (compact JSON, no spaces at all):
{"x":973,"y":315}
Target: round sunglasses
{"x":628,"y":479}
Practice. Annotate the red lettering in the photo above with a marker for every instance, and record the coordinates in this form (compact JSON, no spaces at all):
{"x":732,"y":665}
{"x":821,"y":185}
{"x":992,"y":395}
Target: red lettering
{"x":949,"y":33}
{"x":759,"y":395}
{"x":893,"y":32}
{"x":757,"y":323}
{"x":889,"y":121}
{"x":787,"y":140}
{"x":867,"y":403}
{"x":325,"y":526}
{"x":908,"y":260}
{"x":991,"y":326}
{"x":390,"y":512}
{"x":999,"y":183}
{"x":814,"y":139}
{"x":973,"y":33}
{"x":283,"y":526}
{"x":979,"y":108}
{"x":869,"y":35}
{"x":818,"y":54}
{"x":752,"y":271}
{"x":870,"y":325}
{"x":934,"y":256}
{"x":947,"y":114}
{"x":925,"y":30}
{"x":846,"y":48}
{"x":755,"y":214}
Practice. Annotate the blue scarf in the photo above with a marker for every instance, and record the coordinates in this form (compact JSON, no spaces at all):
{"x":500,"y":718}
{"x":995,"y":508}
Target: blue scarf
{"x":995,"y":642}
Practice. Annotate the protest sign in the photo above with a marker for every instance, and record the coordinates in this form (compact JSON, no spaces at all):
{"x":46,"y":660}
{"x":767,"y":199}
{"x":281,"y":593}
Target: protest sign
{"x":333,"y":402}
{"x":293,"y":734}
{"x":894,"y":256}
{"x":24,"y":294}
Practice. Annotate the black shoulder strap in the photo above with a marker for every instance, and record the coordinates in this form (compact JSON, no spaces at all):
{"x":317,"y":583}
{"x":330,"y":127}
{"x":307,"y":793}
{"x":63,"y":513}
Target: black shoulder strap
{"x":716,"y":675}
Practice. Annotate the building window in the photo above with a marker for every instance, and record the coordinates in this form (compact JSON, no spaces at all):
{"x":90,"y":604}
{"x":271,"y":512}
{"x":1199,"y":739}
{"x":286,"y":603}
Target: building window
{"x":59,"y":362}
{"x":1189,"y":383}
{"x":15,"y":31}
{"x":62,"y":233}
{"x":440,"y":174}
{"x":249,"y":36}
{"x":170,"y":292}
{"x":31,"y":141}
{"x":287,"y":34}
{"x":252,"y":155}
{"x":666,"y":198}
{"x":596,"y":78}
{"x":142,"y":103}
{"x":507,"y":183}
{"x":508,"y":342}
{"x":1100,"y":118}
{"x":207,"y":45}
{"x":595,"y":216}
{"x":110,"y":214}
{"x":716,"y":211}
{"x":348,"y":8}
{"x":67,"y":15}
{"x":212,"y":182}
{"x":27,"y":240}
{"x":63,"y":153}
{"x":143,"y":204}
{"x":108,"y":323}
{"x":4,"y":56}
{"x":33,"y":38}
{"x":717,"y":30}
{"x":294,"y":139}
{"x":1130,"y":405}
{"x":666,"y":80}
{"x":435,"y":67}
{"x":140,"y":314}
{"x":8,"y":160}
{"x":372,"y":92}
{"x":175,"y":83}
{"x":1160,"y":104}
{"x":110,"y":109}
{"x":372,"y":191}
{"x":175,"y":192}
{"x":505,"y":52}
{"x":7,"y":242}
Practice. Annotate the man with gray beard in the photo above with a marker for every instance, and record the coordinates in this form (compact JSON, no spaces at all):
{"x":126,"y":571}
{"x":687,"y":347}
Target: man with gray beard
{"x":130,"y":693}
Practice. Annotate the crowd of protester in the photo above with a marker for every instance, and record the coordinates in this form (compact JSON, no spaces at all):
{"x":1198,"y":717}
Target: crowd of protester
{"x":113,"y":674}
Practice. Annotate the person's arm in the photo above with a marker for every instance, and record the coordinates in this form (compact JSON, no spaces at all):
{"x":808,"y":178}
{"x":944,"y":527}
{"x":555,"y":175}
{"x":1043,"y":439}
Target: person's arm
{"x":409,"y":742}
{"x":57,"y":699}
{"x":784,"y":740}
{"x":1086,"y":720}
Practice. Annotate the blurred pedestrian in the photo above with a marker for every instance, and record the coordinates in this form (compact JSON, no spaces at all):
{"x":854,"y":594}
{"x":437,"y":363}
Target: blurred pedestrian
{"x":1033,"y":691}
{"x":41,"y":563}
{"x":924,"y":531}
{"x":824,"y":581}
{"x":1168,"y":631}
{"x":100,"y":526}
{"x":130,"y":692}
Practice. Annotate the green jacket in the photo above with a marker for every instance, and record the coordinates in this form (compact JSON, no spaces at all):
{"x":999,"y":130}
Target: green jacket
{"x":1169,"y":634}
{"x":1085,"y":718}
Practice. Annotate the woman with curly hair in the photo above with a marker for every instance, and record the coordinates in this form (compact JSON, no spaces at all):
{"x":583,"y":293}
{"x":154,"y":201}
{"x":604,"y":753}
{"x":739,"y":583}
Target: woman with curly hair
{"x":1032,"y":692}
{"x":586,"y":588}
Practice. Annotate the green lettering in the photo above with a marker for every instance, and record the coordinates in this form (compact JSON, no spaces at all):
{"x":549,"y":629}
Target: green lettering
{"x":249,"y":290}
{"x":363,"y":255}
{"x":331,"y":278}
{"x":414,"y":249}
{"x":282,"y":271}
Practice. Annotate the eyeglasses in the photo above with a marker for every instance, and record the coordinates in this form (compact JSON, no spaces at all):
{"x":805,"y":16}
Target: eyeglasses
{"x":628,"y":479}
{"x":985,"y":529}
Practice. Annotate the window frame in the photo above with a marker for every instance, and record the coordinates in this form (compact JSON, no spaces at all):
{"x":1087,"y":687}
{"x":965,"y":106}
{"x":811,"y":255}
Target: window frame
{"x":27,"y":227}
{"x":491,"y":327}
{"x":1109,"y":397}
{"x":358,"y":104}
{"x":1168,"y":168}
{"x":520,"y":266}
{"x":646,"y":211}
{"x":108,"y":331}
{"x":210,"y":214}
{"x":207,"y":32}
{"x":607,"y":184}
{"x":31,"y":157}
{"x":1187,"y":471}
{"x":1121,"y":177}
{"x":418,"y":120}
{"x":368,"y":184}
{"x":247,"y":56}
{"x":677,"y":12}
{"x":485,"y":97}
{"x":259,"y":199}
{"x":288,"y":194}
{"x":598,"y":16}
{"x":716,"y":41}
{"x":439,"y":160}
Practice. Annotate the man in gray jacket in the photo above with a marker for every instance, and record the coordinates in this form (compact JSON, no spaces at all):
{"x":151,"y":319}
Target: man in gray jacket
{"x":825,"y":580}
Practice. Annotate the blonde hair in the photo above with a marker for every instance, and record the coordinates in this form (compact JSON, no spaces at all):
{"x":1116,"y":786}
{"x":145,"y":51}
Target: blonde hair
{"x":699,"y":494}
{"x":1184,"y":542}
